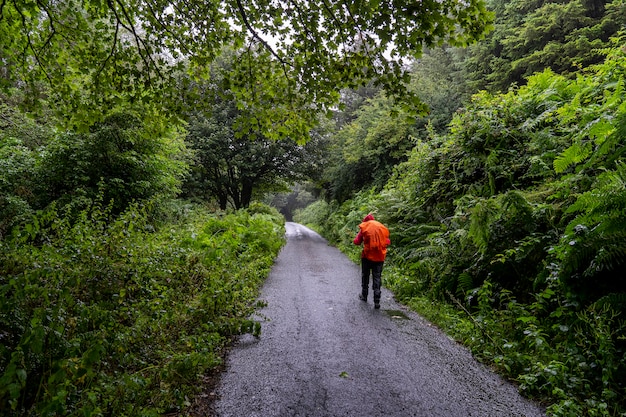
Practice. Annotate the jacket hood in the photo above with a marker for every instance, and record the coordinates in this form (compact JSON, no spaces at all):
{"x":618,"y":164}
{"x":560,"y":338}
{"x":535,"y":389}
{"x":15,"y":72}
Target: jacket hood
{"x":368,"y":218}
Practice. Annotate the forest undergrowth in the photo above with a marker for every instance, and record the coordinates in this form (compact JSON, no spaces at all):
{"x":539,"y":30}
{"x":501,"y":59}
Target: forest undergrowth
{"x":123,"y":315}
{"x":509,"y":232}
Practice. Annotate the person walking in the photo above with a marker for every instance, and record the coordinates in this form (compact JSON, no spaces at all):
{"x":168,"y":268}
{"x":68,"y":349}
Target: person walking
{"x":375,"y":238}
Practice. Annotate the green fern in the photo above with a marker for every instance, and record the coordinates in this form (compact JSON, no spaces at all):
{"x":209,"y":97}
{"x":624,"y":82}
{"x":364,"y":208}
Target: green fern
{"x":573,"y":155}
{"x":609,"y":253}
{"x":424,"y":252}
{"x":593,"y":248}
{"x":483,"y":213}
{"x":465,"y":283}
{"x":615,"y":301}
{"x":515,"y":200}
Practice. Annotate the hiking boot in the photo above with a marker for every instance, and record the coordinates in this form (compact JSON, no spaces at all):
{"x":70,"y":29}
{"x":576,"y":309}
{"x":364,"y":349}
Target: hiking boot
{"x":362,"y":297}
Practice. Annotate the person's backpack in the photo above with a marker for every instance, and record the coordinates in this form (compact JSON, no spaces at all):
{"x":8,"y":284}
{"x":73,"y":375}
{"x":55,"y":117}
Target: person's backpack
{"x":375,"y":238}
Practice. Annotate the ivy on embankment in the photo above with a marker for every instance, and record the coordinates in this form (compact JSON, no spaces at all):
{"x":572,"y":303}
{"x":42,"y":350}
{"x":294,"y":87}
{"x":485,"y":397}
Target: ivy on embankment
{"x":121,"y":316}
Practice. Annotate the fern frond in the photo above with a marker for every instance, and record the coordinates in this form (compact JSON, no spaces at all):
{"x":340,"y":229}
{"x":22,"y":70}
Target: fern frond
{"x":610,"y":253}
{"x":533,"y":123}
{"x":608,"y":198}
{"x":615,"y":301}
{"x":516,"y":200}
{"x":573,"y":155}
{"x":417,"y":232}
{"x":428,"y":252}
{"x":483,"y":213}
{"x":465,"y":283}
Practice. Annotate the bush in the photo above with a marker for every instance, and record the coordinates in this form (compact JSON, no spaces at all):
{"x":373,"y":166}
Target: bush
{"x":516,"y":217}
{"x":21,"y":140}
{"x":123,"y":159}
{"x":113,"y":316}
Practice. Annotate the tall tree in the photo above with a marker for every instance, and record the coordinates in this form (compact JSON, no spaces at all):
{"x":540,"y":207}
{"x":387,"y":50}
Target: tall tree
{"x":94,"y":53}
{"x":365,"y":151}
{"x":532,"y":35}
{"x":130,"y":156}
{"x":231,"y":167}
{"x":439,"y":80}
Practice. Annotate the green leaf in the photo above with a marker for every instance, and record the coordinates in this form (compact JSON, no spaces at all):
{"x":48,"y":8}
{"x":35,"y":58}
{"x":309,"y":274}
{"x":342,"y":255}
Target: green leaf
{"x":573,"y":155}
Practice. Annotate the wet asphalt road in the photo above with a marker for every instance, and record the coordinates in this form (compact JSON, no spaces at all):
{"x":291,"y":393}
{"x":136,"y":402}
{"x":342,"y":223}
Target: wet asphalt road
{"x":323,"y":352}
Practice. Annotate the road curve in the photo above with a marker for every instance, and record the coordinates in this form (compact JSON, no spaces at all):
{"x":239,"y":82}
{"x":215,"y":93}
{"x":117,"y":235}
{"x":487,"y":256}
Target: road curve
{"x":323,"y":352}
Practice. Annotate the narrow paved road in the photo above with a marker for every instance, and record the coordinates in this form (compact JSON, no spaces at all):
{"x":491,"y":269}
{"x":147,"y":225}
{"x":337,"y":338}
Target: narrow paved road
{"x":323,"y":352}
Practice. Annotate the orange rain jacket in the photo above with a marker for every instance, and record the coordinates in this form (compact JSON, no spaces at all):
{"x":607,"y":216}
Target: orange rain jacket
{"x":375,"y":238}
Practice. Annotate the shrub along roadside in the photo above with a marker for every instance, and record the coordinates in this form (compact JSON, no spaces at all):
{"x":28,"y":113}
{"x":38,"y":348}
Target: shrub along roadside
{"x":119,"y":316}
{"x":567,"y":357}
{"x":516,"y":217}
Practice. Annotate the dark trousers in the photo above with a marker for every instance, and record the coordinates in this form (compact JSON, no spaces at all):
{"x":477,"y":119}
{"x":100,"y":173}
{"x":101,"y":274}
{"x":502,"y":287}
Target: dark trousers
{"x":376,"y":269}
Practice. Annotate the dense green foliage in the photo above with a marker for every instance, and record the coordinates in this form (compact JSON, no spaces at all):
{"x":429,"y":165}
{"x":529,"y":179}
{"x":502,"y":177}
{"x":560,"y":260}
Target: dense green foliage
{"x":507,"y":210}
{"x":516,"y":215}
{"x":122,"y":159}
{"x":366,"y":149}
{"x":95,"y":54}
{"x":19,"y":138}
{"x":116,"y":299}
{"x":234,"y":163}
{"x":132,"y":155}
{"x":372,"y":136}
{"x":122,"y":315}
{"x":533,"y":35}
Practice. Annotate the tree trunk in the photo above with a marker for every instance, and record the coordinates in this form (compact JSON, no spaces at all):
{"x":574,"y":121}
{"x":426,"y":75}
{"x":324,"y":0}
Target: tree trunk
{"x":223,"y":202}
{"x":246,"y":193}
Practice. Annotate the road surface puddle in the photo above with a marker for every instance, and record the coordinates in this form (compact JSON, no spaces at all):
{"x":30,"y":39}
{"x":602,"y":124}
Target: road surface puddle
{"x":397,"y":314}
